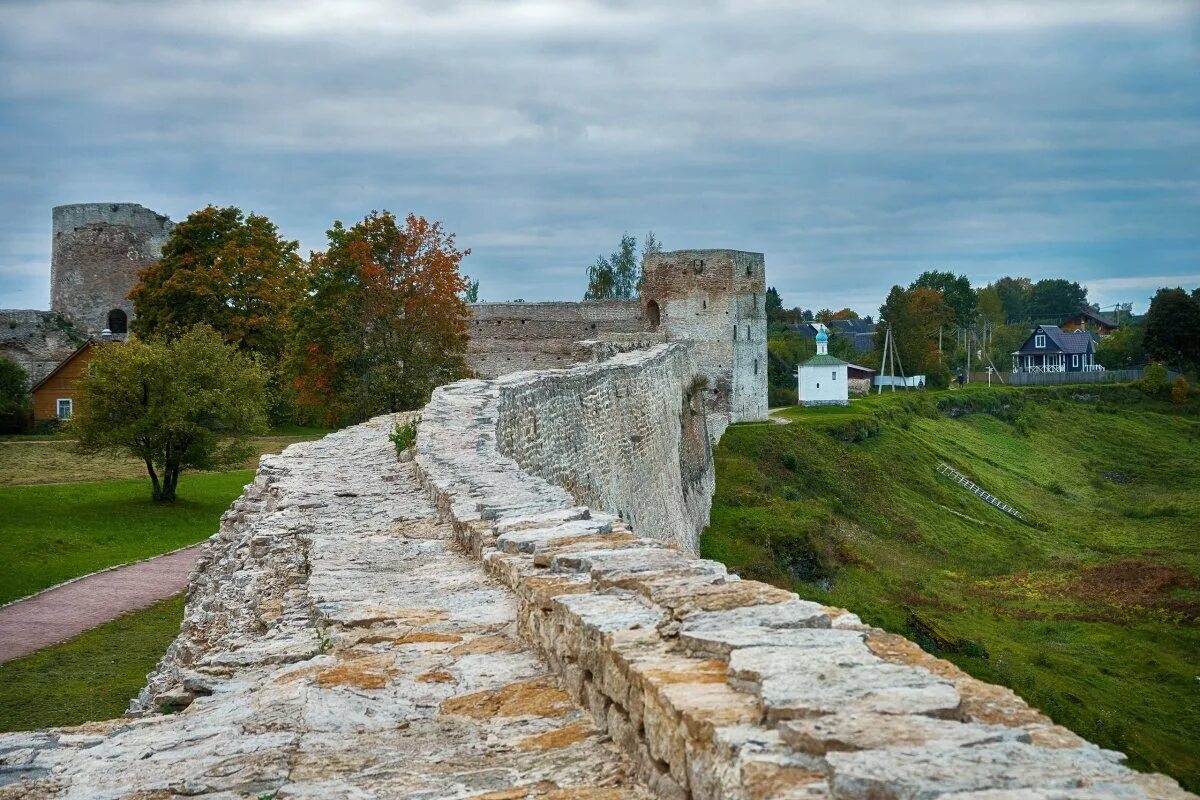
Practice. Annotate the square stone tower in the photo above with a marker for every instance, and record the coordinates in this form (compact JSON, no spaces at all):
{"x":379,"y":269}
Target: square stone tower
{"x":717,"y":299}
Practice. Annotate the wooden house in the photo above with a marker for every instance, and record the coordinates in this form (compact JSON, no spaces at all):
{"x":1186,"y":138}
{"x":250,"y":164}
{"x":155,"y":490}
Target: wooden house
{"x":54,"y":395}
{"x":1089,"y":320}
{"x":1051,"y":349}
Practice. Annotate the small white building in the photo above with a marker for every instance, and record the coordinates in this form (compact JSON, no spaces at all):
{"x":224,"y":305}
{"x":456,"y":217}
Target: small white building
{"x":822,"y":379}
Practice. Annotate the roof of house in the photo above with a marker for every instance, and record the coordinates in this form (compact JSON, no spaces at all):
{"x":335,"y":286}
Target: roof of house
{"x":89,"y":343}
{"x":1068,"y":343}
{"x":860,"y":368}
{"x":1087,"y":313}
{"x":823,"y":360}
{"x":852,"y":325}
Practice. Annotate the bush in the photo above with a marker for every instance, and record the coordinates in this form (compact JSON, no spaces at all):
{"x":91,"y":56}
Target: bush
{"x":1154,"y":380}
{"x":404,"y":435}
{"x":789,"y":461}
{"x":1179,"y":391}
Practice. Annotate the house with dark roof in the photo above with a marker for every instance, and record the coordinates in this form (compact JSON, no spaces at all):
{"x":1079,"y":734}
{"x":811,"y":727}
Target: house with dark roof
{"x":859,"y":331}
{"x":1051,"y":349}
{"x":1087,"y":319}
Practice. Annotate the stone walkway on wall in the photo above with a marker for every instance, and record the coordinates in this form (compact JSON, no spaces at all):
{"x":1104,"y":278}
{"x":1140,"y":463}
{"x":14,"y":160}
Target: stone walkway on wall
{"x":69,"y":609}
{"x":336,"y":645}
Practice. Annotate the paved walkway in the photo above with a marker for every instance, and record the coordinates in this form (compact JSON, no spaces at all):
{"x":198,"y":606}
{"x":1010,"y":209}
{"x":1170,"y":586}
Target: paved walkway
{"x":68,"y":610}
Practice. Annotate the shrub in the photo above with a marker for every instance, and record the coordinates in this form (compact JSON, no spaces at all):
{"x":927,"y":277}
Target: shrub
{"x":14,"y":397}
{"x":789,"y":461}
{"x":1154,"y":380}
{"x":404,"y":435}
{"x":1179,"y":391}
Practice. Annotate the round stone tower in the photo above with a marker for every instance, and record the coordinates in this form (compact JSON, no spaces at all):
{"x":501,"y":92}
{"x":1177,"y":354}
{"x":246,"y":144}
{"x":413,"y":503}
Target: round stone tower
{"x":96,"y":253}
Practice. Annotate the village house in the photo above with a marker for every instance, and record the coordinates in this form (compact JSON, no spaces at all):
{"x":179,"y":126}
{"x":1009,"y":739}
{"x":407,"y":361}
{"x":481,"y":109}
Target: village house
{"x":54,"y":395}
{"x":822,"y":380}
{"x":1088,"y":320}
{"x":1051,"y":349}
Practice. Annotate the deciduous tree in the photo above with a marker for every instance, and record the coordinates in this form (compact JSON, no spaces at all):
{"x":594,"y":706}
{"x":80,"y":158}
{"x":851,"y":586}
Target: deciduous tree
{"x":188,"y":403}
{"x":1055,"y":299}
{"x":1172,"y":329}
{"x":914,"y":316}
{"x":383,"y":321}
{"x":14,"y":396}
{"x":956,"y":292}
{"x":231,"y":272}
{"x":1015,"y":296}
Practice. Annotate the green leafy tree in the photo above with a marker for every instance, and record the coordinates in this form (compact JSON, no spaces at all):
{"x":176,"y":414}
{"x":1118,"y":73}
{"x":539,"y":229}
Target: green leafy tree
{"x":1015,"y":295}
{"x":914,"y":316}
{"x":1122,"y":349}
{"x":383,"y":321}
{"x":1172,"y":329}
{"x":956,"y":292}
{"x":618,"y":276}
{"x":188,"y":403}
{"x":1055,"y":299}
{"x":14,"y":397}
{"x":471,"y":294}
{"x":990,"y":306}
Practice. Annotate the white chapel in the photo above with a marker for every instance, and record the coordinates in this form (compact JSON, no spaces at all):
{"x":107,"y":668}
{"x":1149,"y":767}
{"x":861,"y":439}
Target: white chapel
{"x":822,"y":379}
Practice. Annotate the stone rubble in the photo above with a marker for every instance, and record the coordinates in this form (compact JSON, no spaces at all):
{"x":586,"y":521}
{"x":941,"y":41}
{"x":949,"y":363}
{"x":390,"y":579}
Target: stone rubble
{"x":718,"y":687}
{"x":336,"y":644}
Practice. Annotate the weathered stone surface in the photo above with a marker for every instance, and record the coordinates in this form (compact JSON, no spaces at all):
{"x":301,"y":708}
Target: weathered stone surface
{"x":720,"y":632}
{"x":849,"y":730}
{"x":336,"y":645}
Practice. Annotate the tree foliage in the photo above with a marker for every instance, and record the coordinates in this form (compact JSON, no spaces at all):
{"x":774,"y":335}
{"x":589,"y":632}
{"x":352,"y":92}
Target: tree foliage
{"x":914,"y":316}
{"x":222,"y":269}
{"x":991,"y":306}
{"x":773,"y":305}
{"x":618,"y":276}
{"x":1014,"y":297}
{"x":1172,"y":328}
{"x":383,"y":321}
{"x":956,"y":292}
{"x":1055,"y":299}
{"x":1122,"y":349}
{"x":188,"y":403}
{"x":471,"y":293}
{"x":14,"y":396}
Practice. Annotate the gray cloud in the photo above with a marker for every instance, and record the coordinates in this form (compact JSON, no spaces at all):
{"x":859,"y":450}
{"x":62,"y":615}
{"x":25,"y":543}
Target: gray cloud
{"x":856,"y":143}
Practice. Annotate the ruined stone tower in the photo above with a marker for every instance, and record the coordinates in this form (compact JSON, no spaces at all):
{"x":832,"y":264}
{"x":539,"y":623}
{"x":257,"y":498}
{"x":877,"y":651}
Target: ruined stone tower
{"x":96,"y":253}
{"x":717,"y":299}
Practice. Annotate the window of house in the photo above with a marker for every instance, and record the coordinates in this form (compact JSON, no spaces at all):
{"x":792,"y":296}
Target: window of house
{"x":66,"y":407}
{"x":1039,"y":340}
{"x":1074,"y":361}
{"x":834,"y":375}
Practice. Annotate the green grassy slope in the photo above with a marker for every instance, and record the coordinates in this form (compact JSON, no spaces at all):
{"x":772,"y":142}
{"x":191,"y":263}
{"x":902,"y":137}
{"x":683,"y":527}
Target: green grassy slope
{"x":50,"y":534}
{"x":1091,"y":613}
{"x":91,"y":677}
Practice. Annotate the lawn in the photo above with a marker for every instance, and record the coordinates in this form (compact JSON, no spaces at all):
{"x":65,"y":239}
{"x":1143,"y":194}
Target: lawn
{"x":49,"y":534}
{"x":1091,"y":613}
{"x":90,"y":677}
{"x":39,"y":460}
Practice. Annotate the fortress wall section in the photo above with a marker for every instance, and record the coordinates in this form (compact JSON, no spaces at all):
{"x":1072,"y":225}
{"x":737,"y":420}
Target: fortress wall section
{"x":96,"y":253}
{"x":517,"y":337}
{"x":719,"y":687}
{"x":36,"y":340}
{"x":627,"y":436}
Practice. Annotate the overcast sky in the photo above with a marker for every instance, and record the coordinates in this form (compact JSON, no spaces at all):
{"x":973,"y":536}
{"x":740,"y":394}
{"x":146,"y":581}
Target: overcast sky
{"x":855,"y":142}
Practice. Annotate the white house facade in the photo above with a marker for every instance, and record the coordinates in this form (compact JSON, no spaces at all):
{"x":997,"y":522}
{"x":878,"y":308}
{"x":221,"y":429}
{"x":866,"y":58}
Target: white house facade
{"x":822,"y":380}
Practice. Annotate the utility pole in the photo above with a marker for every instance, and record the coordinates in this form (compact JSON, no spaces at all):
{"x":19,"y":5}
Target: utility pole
{"x":887,"y":338}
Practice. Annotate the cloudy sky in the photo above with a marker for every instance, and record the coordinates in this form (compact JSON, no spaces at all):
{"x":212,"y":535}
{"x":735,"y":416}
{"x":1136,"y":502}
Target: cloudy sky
{"x":855,"y":142}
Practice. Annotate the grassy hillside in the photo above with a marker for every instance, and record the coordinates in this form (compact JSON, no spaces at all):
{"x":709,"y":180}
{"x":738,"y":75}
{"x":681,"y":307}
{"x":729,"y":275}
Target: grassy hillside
{"x":1091,"y":612}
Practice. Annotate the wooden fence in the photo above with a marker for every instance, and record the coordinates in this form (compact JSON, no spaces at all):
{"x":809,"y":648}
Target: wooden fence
{"x":1060,"y":378}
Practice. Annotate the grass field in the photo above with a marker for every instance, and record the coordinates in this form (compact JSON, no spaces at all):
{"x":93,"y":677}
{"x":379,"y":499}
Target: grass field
{"x":50,"y":534}
{"x":33,"y":460}
{"x":1091,"y":612}
{"x":90,"y":677}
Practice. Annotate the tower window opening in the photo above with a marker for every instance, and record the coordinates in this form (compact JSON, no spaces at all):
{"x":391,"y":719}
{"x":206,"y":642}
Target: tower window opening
{"x":756,"y":366}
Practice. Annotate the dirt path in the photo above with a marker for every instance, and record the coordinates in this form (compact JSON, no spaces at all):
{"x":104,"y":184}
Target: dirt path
{"x":69,"y":609}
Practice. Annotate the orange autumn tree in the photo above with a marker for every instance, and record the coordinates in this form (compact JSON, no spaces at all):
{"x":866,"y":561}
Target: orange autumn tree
{"x":382,"y":322}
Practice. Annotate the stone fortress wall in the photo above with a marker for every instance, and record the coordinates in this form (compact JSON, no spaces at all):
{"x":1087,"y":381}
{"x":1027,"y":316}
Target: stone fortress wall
{"x":458,"y":626}
{"x":713,"y":686}
{"x":37,"y":340}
